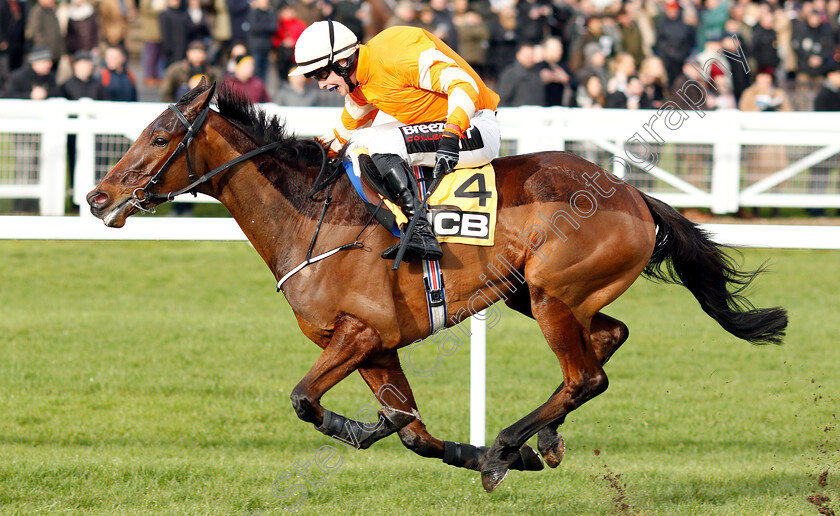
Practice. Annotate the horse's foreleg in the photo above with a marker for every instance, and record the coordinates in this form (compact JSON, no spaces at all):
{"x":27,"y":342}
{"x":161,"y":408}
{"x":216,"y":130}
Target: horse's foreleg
{"x":583,"y":376}
{"x":606,"y":335}
{"x":352,"y":343}
{"x":386,"y":379}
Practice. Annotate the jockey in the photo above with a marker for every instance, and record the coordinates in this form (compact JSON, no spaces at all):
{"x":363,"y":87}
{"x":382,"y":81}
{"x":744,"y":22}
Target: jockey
{"x":437,"y":99}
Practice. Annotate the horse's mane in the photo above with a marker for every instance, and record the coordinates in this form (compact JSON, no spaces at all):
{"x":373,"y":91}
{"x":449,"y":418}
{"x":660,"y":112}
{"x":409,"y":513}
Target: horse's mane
{"x":295,"y":163}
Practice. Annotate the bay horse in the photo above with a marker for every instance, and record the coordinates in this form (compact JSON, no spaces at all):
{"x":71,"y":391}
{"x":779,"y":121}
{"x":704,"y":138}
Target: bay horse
{"x":570,"y":238}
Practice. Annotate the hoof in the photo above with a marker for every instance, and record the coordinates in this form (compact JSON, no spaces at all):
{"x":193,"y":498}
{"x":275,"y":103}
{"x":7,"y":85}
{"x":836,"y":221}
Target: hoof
{"x":530,"y":460}
{"x":398,"y":418}
{"x":552,"y":450}
{"x":491,"y":479}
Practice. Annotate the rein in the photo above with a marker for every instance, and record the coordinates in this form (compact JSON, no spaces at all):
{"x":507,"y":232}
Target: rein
{"x":184,"y":145}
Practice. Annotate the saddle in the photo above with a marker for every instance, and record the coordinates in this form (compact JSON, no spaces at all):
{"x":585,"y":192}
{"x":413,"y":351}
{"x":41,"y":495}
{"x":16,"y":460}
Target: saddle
{"x":462,"y":209}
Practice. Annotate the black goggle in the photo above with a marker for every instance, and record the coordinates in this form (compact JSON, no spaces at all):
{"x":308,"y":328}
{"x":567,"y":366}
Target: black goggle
{"x":320,"y":74}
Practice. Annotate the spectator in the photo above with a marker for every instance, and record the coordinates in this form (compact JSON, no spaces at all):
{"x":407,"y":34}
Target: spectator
{"x":179,"y":73}
{"x":784,"y":35}
{"x":43,"y":29}
{"x":764,"y":47}
{"x":444,"y":24}
{"x":674,"y":40}
{"x":297,"y":91}
{"x":405,"y":13}
{"x":591,"y":95}
{"x":594,"y":64}
{"x":520,"y":83}
{"x":36,"y":80}
{"x":113,"y":20}
{"x":262,"y":25}
{"x":238,"y":12}
{"x":631,"y":36}
{"x":309,"y":11}
{"x":532,"y":20}
{"x":82,"y":83}
{"x":828,"y":99}
{"x":740,"y":75}
{"x":473,"y":35}
{"x":198,"y":25}
{"x":655,"y":80}
{"x":712,"y":20}
{"x":194,"y":81}
{"x":150,"y":11}
{"x":244,"y":80}
{"x":502,"y":45}
{"x":624,"y":67}
{"x":116,"y":78}
{"x":174,"y":24}
{"x":632,"y":97}
{"x":560,"y":83}
{"x":813,"y":43}
{"x":593,"y":34}
{"x":12,"y":37}
{"x":236,"y":51}
{"x":347,"y":13}
{"x":289,"y":28}
{"x":220,"y":32}
{"x":82,"y":28}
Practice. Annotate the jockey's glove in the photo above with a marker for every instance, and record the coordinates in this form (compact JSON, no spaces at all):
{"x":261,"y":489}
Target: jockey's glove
{"x":447,"y":154}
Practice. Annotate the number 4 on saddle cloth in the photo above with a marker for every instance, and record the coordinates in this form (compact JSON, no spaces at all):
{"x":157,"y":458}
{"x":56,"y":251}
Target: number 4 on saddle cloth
{"x":461,"y":210}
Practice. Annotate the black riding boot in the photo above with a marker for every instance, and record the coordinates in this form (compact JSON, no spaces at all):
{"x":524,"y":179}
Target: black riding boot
{"x":422,"y":241}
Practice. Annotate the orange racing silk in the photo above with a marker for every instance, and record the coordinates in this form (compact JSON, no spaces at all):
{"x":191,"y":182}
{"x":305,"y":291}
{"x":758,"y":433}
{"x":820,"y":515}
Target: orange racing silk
{"x":415,"y":77}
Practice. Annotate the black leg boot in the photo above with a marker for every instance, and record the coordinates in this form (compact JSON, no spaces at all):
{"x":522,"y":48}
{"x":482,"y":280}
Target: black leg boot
{"x":422,"y":242}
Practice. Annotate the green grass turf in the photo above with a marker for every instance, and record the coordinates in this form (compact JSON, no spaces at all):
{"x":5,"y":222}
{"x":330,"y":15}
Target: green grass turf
{"x":154,"y":378}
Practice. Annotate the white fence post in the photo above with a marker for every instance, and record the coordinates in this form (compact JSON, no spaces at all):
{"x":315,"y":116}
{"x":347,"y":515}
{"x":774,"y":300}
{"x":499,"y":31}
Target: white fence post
{"x":478,"y":377}
{"x":52,"y":170}
{"x":726,"y":164}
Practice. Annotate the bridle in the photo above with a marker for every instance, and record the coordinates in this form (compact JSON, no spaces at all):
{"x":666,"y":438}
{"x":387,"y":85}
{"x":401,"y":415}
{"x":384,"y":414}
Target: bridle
{"x":184,"y":146}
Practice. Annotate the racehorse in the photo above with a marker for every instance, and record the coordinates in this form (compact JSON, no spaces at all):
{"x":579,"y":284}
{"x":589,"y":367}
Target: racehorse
{"x":570,"y":238}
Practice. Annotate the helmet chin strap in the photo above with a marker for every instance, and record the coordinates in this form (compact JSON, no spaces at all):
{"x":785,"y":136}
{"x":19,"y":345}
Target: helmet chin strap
{"x":342,"y":71}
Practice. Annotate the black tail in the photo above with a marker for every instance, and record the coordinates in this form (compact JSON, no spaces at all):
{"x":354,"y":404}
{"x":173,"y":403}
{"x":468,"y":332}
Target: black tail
{"x":685,"y":254}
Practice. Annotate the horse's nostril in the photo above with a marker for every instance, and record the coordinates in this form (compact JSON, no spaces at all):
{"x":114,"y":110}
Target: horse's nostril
{"x":97,"y":198}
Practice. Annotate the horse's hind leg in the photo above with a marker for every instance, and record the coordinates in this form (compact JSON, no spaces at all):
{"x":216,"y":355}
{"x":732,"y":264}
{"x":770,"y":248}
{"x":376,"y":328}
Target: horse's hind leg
{"x":606,"y":335}
{"x":353,"y":341}
{"x":386,"y":379}
{"x":583,"y":376}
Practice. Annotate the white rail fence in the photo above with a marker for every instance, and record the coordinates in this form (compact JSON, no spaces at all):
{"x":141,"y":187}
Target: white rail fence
{"x":721,"y":160}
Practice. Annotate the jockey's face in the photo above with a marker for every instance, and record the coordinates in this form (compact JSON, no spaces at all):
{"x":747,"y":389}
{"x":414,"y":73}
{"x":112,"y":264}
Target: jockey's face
{"x":335,"y":82}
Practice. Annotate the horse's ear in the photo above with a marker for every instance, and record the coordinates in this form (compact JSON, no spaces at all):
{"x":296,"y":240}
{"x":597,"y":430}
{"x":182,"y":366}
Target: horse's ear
{"x":201,"y":100}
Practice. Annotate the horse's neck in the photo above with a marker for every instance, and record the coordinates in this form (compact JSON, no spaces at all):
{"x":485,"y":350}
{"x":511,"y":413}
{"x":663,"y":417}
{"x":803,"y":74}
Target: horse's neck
{"x":269,"y":220}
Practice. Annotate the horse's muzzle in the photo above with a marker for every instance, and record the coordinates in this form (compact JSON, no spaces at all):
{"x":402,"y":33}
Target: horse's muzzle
{"x":97,"y":199}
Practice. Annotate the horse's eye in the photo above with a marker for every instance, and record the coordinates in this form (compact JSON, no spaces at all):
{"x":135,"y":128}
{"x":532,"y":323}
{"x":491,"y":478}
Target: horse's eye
{"x":159,"y":142}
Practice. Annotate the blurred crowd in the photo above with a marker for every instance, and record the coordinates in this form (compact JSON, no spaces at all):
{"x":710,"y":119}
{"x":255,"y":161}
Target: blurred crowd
{"x":587,"y":53}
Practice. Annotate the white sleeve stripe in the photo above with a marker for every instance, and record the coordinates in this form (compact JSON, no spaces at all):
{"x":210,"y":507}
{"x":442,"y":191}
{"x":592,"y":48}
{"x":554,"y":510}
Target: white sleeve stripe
{"x":355,"y":110}
{"x":451,"y":74}
{"x":344,"y":133}
{"x":459,"y":99}
{"x":424,"y":63}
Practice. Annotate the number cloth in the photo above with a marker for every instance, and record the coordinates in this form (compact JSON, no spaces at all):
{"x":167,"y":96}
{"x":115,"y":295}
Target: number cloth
{"x":462,"y":210}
